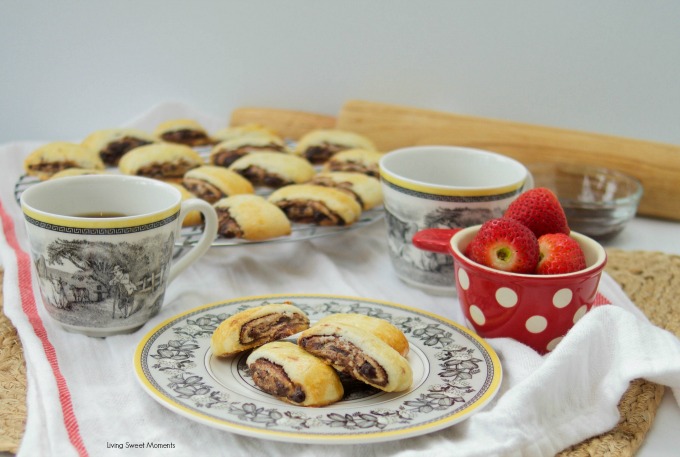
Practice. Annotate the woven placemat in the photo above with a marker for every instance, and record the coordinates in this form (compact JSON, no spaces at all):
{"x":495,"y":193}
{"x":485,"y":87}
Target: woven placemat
{"x":649,"y":278}
{"x":12,"y":383}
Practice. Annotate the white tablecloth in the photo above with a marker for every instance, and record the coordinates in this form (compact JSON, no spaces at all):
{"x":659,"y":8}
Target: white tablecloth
{"x":83,"y":395}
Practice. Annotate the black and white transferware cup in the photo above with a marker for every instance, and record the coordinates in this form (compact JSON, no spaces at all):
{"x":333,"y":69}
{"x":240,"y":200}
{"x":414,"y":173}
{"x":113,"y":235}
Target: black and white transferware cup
{"x":102,"y":247}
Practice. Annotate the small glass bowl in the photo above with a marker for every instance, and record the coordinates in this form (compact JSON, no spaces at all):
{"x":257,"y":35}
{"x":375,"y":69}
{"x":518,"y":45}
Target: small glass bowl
{"x":598,"y":202}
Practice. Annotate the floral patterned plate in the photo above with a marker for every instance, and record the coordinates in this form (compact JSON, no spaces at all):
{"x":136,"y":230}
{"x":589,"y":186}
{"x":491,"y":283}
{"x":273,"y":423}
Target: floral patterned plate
{"x":455,"y":373}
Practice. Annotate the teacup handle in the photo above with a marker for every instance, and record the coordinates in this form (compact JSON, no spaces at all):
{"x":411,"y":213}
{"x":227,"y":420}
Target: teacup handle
{"x":204,"y":243}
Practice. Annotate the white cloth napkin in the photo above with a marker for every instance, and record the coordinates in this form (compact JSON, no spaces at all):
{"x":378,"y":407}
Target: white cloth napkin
{"x":83,"y":396}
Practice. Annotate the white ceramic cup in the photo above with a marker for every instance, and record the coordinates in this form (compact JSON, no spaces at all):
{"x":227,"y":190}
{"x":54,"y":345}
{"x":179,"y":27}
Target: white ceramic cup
{"x":442,"y":187}
{"x":103,"y":276}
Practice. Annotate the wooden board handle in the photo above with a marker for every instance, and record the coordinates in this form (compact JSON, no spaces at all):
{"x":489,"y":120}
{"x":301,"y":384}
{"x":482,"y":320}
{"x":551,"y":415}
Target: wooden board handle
{"x":656,"y":165}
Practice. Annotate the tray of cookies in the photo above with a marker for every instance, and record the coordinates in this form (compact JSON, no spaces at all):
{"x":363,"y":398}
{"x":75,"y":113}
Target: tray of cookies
{"x":264,"y":188}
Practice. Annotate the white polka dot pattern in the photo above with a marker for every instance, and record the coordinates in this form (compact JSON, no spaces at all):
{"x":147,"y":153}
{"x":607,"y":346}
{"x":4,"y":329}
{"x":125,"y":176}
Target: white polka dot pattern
{"x":553,"y":344}
{"x":477,"y":315}
{"x":538,"y":314}
{"x":562,"y":298}
{"x":463,"y":279}
{"x":506,"y":297}
{"x":580,"y":313}
{"x":536,"y":324}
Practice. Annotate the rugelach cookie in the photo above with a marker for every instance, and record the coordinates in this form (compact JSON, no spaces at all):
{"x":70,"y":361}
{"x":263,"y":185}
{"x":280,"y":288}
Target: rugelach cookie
{"x":257,"y":326}
{"x":318,"y":146}
{"x":364,"y":189}
{"x":54,"y":157}
{"x":111,"y":144}
{"x":211,"y":183}
{"x":273,"y":169}
{"x":166,"y":161}
{"x":183,"y":131}
{"x":289,"y":373}
{"x":313,"y":204}
{"x":250,"y":217}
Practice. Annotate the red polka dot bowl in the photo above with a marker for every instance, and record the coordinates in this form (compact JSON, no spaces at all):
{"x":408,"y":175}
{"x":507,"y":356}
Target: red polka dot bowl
{"x":537,"y":310}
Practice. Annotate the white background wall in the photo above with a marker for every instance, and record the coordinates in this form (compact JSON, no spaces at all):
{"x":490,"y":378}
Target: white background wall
{"x":608,"y":66}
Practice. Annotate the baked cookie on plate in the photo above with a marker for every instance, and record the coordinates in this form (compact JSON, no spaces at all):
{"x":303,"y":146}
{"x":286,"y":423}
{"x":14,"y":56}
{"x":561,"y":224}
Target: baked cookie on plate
{"x":358,"y":353}
{"x":293,"y":375}
{"x":257,"y":326}
{"x":384,"y":330}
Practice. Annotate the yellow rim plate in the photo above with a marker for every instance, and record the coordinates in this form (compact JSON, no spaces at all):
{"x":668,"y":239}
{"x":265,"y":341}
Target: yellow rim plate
{"x":455,"y":374}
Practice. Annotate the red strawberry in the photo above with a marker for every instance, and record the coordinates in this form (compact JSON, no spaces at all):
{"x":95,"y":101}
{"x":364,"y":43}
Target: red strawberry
{"x":539,"y":210}
{"x":559,"y":254}
{"x":505,"y":244}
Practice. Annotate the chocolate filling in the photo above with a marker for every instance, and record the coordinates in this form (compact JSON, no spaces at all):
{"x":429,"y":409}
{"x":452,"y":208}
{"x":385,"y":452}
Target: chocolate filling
{"x":320,"y":153}
{"x":370,"y":170}
{"x":112,"y":153}
{"x":272,"y":327}
{"x":261,"y":177}
{"x":345,"y":357}
{"x":225,"y":157}
{"x":226,"y":225}
{"x":189,"y":137}
{"x":203,"y":189}
{"x":165,"y":170}
{"x":273,"y":379}
{"x":345,"y":186}
{"x":310,"y":212}
{"x":51,"y":168}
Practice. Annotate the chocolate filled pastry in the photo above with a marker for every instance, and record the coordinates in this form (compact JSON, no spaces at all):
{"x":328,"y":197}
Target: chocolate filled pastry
{"x":257,"y":326}
{"x":359,"y":160}
{"x":246,"y":130}
{"x":273,"y":169}
{"x":250,"y":217}
{"x":359,"y":354}
{"x":111,"y":144}
{"x":318,"y":146}
{"x":212,"y":183}
{"x":364,"y":189}
{"x":54,"y":157}
{"x":312,"y":204}
{"x":291,"y":374}
{"x":378,"y":327}
{"x":183,"y":131}
{"x":227,"y":152}
{"x":160,"y":161}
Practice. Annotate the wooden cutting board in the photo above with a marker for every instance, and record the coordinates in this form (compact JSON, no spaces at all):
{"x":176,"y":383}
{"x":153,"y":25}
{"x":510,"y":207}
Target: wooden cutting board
{"x":656,"y":165}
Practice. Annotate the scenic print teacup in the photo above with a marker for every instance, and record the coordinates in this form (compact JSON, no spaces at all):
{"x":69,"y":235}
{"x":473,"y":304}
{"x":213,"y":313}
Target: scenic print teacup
{"x":442,"y":187}
{"x":102,"y":246}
